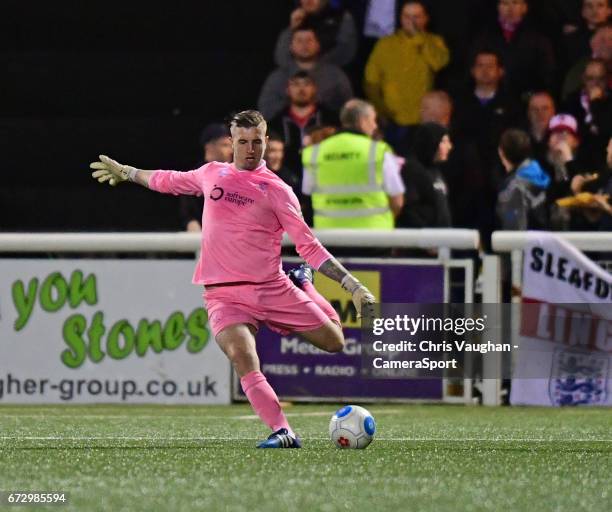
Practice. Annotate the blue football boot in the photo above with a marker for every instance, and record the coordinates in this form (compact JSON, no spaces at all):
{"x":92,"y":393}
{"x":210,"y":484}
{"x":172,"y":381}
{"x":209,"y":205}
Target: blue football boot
{"x":281,"y":439}
{"x":301,"y":274}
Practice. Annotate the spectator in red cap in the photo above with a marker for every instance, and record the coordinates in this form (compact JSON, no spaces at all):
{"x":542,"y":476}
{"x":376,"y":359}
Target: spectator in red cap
{"x":562,"y":164}
{"x":563,"y":142}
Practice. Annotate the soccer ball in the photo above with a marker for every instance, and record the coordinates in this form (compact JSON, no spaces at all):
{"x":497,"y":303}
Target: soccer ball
{"x":352,"y":427}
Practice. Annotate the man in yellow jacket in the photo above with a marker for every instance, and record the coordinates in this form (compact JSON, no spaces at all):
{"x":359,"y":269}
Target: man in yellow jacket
{"x":402,"y":67}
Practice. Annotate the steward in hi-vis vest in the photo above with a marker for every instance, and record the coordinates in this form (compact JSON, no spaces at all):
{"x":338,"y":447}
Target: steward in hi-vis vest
{"x":354,"y":181}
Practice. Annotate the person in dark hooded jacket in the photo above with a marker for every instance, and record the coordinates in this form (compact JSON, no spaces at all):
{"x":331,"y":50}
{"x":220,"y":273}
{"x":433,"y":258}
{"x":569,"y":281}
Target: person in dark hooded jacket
{"x":521,"y":203}
{"x":426,"y":196}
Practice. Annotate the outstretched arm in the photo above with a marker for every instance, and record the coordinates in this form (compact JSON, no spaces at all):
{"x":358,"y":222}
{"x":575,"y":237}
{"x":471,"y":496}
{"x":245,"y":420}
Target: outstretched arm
{"x":167,"y":182}
{"x":109,"y":170}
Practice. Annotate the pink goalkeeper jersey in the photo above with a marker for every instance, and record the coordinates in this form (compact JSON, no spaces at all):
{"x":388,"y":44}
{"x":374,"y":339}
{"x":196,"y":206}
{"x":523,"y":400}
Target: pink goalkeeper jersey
{"x":245,"y":215}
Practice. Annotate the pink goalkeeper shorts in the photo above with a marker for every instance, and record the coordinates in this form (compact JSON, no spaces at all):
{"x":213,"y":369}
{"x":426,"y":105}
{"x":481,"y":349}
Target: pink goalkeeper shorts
{"x":281,"y":305}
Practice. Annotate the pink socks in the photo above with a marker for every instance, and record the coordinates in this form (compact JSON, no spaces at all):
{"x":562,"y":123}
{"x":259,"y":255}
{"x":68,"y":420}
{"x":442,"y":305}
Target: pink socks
{"x":320,"y":301}
{"x":264,"y":401}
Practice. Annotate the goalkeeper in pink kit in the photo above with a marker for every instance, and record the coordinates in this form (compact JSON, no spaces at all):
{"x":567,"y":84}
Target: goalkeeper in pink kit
{"x":246,"y":210}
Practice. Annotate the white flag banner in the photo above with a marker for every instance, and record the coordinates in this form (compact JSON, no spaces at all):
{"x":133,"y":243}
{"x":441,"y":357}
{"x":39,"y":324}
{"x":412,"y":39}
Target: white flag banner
{"x":565,"y":355}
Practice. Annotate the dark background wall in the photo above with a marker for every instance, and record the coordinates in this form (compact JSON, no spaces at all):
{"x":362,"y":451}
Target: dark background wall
{"x":136,"y":80}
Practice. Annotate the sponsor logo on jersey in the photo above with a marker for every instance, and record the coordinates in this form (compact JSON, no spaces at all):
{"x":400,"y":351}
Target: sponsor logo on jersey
{"x":216,"y":193}
{"x":239,"y":199}
{"x":231,"y":197}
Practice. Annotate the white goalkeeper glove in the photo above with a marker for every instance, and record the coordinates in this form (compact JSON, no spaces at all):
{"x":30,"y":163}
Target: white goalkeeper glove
{"x":362,"y":297}
{"x":109,"y":170}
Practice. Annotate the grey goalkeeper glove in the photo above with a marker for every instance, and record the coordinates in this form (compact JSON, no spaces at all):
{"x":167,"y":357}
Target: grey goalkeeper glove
{"x":109,"y":170}
{"x":362,"y":297}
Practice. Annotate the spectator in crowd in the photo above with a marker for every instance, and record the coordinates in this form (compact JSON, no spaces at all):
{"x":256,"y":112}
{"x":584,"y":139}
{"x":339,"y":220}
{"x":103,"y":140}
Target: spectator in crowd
{"x":592,"y":209}
{"x":436,"y":107}
{"x":601,"y":48}
{"x":562,"y":164}
{"x":595,"y":14}
{"x":354,"y":181}
{"x":540,"y":110}
{"x":374,"y":19}
{"x":486,"y":109}
{"x":217,"y":147}
{"x":482,"y":114}
{"x":563,"y":144}
{"x":302,"y":113}
{"x":556,"y":18}
{"x":401,"y":69}
{"x":606,"y":219}
{"x":521,"y":203}
{"x":426,"y":198}
{"x":457,"y":22}
{"x":333,"y":86}
{"x":335,"y":30}
{"x":275,"y":158}
{"x":592,"y":108}
{"x":379,"y":17}
{"x":528,"y":56}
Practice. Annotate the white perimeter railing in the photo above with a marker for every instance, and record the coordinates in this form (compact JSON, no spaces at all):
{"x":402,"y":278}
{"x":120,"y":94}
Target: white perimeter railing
{"x":514,"y":242}
{"x":444,"y":240}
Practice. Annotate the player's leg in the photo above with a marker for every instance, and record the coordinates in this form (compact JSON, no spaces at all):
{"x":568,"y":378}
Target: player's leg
{"x":238,"y":343}
{"x":329,"y":336}
{"x":303,"y":278}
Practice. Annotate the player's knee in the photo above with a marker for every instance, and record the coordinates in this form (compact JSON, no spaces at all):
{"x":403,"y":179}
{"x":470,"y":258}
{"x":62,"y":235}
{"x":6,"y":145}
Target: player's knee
{"x":336,"y":346}
{"x":244,"y":362}
{"x":242,"y":355}
{"x":335,"y":342}
{"x":239,"y":347}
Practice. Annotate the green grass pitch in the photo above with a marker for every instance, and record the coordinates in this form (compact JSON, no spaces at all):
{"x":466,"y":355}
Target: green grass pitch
{"x":424,"y":458}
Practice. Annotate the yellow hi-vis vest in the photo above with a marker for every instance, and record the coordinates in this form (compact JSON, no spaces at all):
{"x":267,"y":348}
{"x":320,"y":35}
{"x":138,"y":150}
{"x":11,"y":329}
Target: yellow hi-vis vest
{"x":347,"y":170}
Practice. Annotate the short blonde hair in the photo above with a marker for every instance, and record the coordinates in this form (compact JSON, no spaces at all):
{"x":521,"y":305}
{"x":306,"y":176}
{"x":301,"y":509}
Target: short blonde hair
{"x":248,"y":119}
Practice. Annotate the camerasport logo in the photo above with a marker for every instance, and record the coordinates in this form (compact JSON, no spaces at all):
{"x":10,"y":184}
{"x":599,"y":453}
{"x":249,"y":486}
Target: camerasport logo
{"x":232,"y":197}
